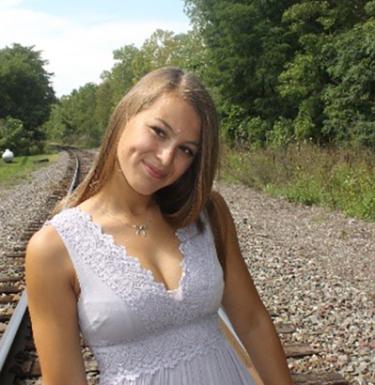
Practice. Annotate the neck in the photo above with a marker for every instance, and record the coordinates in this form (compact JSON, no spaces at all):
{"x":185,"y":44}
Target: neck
{"x":117,"y":197}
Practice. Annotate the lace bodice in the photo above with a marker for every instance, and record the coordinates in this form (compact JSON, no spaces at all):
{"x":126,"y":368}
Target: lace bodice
{"x":133,"y":324}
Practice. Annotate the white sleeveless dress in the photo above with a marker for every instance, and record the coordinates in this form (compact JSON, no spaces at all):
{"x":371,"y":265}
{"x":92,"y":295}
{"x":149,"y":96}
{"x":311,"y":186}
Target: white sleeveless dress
{"x":140,"y":332}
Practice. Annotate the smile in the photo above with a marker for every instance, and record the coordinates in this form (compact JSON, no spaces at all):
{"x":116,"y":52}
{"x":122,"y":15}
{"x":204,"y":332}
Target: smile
{"x":154,"y":172}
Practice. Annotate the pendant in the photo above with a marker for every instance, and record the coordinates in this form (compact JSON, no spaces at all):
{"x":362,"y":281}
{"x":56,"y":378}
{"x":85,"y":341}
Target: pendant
{"x":140,"y":230}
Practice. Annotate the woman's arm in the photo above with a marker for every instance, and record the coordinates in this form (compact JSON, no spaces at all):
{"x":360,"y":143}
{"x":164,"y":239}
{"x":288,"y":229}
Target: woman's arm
{"x":52,"y":307}
{"x":247,"y":313}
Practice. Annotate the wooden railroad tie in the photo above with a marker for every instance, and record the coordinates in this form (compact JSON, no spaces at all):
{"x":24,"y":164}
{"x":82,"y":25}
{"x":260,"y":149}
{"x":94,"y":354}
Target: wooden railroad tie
{"x":4,"y":299}
{"x":291,"y":350}
{"x":319,"y":379}
{"x":6,"y":279}
{"x":5,"y":317}
{"x":15,"y":254}
{"x":9,"y":289}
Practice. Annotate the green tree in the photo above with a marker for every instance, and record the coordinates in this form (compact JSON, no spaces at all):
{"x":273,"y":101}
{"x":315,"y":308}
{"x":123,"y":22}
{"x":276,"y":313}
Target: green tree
{"x":307,"y":63}
{"x":247,"y":47}
{"x":73,"y":119}
{"x":318,"y":25}
{"x":163,"y":48}
{"x":350,"y":96}
{"x":105,"y":102}
{"x":14,"y":136}
{"x":121,"y":77}
{"x":25,"y":90}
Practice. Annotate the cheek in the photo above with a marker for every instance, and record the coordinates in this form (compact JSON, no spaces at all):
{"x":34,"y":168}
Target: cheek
{"x":183,"y":165}
{"x":132,"y":147}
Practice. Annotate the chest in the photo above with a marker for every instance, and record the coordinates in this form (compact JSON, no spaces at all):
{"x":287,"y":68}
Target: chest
{"x":156,"y":249}
{"x":114,"y":280}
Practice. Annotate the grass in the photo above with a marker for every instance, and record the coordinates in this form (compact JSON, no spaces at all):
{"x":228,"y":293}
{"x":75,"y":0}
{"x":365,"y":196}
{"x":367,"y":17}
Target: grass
{"x":334,"y":178}
{"x":21,"y":168}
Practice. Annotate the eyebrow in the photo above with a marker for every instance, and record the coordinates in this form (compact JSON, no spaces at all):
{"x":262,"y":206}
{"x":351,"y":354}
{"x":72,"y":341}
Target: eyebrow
{"x":193,"y":142}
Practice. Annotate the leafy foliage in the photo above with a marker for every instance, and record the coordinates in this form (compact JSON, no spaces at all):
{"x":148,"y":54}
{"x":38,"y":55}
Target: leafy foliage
{"x":25,"y":95}
{"x":349,"y":99}
{"x":247,"y":47}
{"x":308,"y":63}
{"x":13,"y":135}
{"x":73,"y":119}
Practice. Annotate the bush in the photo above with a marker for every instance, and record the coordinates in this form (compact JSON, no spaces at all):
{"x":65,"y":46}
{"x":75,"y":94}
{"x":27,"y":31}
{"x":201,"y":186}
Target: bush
{"x":341,"y":179}
{"x":282,"y":133}
{"x":14,"y":136}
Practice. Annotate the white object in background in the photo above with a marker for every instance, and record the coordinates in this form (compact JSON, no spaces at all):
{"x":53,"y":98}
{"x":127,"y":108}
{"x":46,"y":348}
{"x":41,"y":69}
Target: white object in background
{"x":8,"y":156}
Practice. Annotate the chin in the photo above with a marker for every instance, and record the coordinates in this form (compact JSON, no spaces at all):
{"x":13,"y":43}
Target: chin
{"x":149,"y":188}
{"x":146,"y":190}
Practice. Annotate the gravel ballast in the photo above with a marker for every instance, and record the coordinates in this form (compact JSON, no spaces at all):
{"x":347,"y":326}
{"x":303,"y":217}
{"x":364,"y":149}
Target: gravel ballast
{"x":312,"y":267}
{"x":315,"y":269}
{"x":25,"y":201}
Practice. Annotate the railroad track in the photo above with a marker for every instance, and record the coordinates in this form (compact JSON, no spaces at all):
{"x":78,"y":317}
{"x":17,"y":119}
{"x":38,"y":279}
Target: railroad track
{"x":292,"y":351}
{"x":15,"y":331}
{"x":19,"y":364}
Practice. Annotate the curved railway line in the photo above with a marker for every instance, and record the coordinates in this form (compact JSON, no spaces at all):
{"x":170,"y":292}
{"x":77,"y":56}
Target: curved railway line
{"x":18,"y":360}
{"x":16,"y":348}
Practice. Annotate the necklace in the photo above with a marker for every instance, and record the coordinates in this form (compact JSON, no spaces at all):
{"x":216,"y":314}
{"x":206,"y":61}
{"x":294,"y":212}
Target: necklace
{"x":140,"y":230}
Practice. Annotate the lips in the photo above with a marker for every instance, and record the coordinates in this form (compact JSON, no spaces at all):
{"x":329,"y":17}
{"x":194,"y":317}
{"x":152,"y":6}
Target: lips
{"x":154,"y":171}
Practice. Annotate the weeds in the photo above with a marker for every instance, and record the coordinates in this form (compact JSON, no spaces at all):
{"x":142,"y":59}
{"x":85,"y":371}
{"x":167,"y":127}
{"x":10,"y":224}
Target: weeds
{"x":21,"y":168}
{"x":341,"y":179}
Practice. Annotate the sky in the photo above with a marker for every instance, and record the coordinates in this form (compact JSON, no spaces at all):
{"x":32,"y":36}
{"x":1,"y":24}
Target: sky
{"x":77,"y":38}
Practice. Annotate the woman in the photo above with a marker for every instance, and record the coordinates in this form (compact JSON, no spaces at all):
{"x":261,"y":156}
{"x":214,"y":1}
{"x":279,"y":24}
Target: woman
{"x":131,"y":260}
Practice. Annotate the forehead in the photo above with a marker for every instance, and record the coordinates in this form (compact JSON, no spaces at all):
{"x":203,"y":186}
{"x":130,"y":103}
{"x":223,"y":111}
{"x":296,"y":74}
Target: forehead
{"x":179,"y":114}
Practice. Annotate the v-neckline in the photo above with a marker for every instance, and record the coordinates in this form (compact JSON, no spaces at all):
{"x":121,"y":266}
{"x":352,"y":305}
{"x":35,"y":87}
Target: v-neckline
{"x":179,"y":233}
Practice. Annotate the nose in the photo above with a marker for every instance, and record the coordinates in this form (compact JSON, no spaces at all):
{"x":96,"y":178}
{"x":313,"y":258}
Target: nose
{"x":166,"y":155}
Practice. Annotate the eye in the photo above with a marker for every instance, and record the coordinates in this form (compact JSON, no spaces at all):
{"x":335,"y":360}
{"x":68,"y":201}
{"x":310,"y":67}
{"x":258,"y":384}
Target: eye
{"x":158,"y":131}
{"x":187,"y":151}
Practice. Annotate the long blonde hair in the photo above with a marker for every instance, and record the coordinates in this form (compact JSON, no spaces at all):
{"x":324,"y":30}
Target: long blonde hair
{"x":181,"y":202}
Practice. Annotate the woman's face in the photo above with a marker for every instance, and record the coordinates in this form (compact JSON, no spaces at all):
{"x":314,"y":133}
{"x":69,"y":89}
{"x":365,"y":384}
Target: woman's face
{"x":159,"y":144}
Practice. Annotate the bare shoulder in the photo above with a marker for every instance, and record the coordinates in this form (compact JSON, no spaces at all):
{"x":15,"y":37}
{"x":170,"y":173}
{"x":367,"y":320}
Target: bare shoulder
{"x":46,"y":250}
{"x":46,"y":244}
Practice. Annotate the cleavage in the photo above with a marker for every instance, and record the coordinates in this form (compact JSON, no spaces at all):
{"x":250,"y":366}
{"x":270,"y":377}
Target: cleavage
{"x":158,"y":254}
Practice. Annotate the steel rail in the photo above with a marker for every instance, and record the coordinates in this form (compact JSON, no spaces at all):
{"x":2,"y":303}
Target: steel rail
{"x":12,"y":340}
